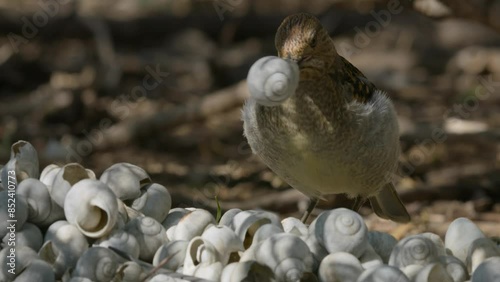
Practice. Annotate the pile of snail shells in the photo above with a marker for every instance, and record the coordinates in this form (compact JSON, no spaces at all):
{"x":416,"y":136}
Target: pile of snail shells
{"x":73,"y":226}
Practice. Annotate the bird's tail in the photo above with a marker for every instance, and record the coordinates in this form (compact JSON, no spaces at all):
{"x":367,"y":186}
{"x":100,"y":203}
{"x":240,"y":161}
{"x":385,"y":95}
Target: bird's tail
{"x":388,"y":205}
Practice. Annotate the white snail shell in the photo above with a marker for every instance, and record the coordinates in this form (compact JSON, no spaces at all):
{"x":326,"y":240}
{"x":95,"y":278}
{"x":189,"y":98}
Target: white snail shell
{"x":98,"y":264}
{"x":125,"y":180}
{"x":42,"y":210}
{"x":318,"y":251}
{"x":370,"y":258}
{"x":438,"y":242}
{"x":150,"y":235}
{"x":29,"y":236}
{"x":341,"y":230}
{"x":23,"y":160}
{"x":121,"y":240}
{"x":239,"y":271}
{"x":80,"y":279}
{"x":480,"y":250}
{"x":20,"y":214}
{"x":383,"y":243}
{"x":202,"y":260}
{"x":37,"y":270}
{"x":191,"y":225}
{"x":265,"y":231}
{"x":64,"y":244}
{"x":224,"y":240}
{"x":24,"y":257}
{"x":246,"y":223}
{"x":295,"y":226}
{"x":130,"y":271}
{"x":340,"y":266}
{"x":176,"y":250}
{"x":488,"y":270}
{"x":415,"y":249}
{"x":92,"y":207}
{"x":272,"y":80}
{"x":460,"y":235}
{"x":49,"y":173}
{"x":173,"y":217}
{"x":455,"y":267}
{"x":383,"y":273}
{"x":65,"y":178}
{"x":154,"y":201}
{"x":433,"y":272}
{"x":286,"y":255}
{"x":227,"y":218}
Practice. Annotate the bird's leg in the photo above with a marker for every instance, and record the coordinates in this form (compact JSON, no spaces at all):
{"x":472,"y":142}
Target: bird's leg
{"x":312,"y":204}
{"x":358,"y":202}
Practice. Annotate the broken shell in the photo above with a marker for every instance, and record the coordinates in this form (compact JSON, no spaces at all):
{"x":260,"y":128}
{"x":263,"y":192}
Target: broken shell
{"x":65,"y":178}
{"x":98,"y":264}
{"x":227,"y":218}
{"x":415,"y":249}
{"x":460,"y":235}
{"x":246,"y":223}
{"x":202,"y":260}
{"x":92,"y":207}
{"x":295,"y":226}
{"x":286,"y":255}
{"x":42,"y":210}
{"x":176,"y":250}
{"x":383,"y":273}
{"x":272,"y":80}
{"x":265,"y":231}
{"x":125,"y":180}
{"x":224,"y":240}
{"x":154,"y":201}
{"x":150,"y":235}
{"x":338,"y":267}
{"x":191,"y":225}
{"x":49,"y":173}
{"x":29,"y":236}
{"x":341,"y":230}
{"x":23,"y":161}
{"x":121,"y":240}
{"x":64,"y":244}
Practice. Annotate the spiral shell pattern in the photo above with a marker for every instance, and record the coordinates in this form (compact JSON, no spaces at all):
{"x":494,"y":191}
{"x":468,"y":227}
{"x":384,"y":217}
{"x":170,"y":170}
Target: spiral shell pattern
{"x":341,"y":230}
{"x":272,"y":80}
{"x":414,"y":249}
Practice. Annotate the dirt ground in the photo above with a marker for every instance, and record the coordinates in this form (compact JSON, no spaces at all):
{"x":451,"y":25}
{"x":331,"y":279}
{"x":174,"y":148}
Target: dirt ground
{"x":160,"y":84}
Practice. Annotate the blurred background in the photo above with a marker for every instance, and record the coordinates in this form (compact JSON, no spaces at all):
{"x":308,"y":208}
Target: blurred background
{"x":160,"y":84}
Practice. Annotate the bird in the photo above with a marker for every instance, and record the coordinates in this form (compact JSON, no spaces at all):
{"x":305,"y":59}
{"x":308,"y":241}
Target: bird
{"x":338,"y":133}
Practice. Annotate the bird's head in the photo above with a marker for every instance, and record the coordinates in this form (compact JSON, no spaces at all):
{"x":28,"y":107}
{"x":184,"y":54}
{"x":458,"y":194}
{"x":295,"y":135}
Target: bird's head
{"x":302,"y":38}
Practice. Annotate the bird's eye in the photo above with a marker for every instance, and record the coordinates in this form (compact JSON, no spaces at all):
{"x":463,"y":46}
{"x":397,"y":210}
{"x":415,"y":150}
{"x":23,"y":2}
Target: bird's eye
{"x":313,"y":42}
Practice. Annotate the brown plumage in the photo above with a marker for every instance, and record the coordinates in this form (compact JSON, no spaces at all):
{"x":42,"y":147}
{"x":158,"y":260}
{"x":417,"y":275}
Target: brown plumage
{"x":337,"y":134}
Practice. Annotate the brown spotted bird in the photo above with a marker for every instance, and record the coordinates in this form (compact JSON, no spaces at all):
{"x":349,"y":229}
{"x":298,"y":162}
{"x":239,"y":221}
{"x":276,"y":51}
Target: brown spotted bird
{"x":337,"y":134}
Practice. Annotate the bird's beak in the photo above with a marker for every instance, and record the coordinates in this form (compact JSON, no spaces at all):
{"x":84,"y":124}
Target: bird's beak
{"x":297,"y":60}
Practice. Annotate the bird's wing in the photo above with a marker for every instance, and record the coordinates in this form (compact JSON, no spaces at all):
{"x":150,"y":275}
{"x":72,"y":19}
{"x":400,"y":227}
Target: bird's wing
{"x":352,"y":80}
